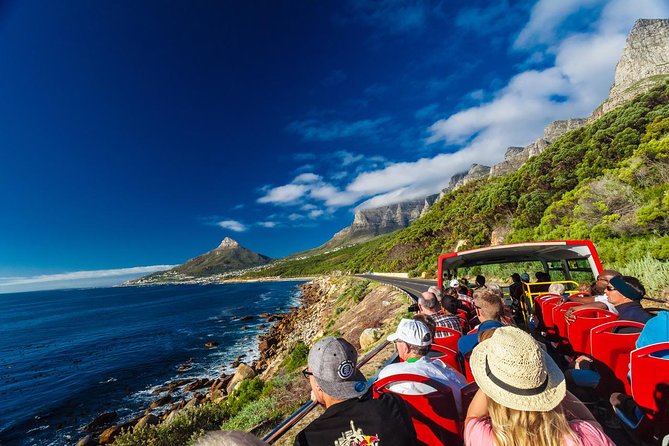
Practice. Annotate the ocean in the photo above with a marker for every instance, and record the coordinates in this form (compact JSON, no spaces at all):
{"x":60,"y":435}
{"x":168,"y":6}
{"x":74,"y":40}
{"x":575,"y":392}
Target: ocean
{"x":69,"y":355}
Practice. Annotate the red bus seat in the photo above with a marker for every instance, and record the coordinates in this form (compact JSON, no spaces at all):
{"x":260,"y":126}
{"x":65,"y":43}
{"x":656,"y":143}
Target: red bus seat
{"x":546,"y":306}
{"x":464,"y":320}
{"x":611,"y":351}
{"x":578,"y":332}
{"x":434,"y":415}
{"x":450,"y":341}
{"x":448,"y":356}
{"x":560,"y":324}
{"x":650,"y":386}
{"x":467,"y":395}
{"x":468,"y":370}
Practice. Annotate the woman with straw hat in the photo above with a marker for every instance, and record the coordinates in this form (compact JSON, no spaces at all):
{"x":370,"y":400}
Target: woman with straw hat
{"x":522,"y":397}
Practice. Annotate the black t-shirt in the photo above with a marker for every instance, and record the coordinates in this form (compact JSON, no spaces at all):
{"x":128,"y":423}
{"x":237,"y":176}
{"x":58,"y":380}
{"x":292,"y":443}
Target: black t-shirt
{"x":361,"y":421}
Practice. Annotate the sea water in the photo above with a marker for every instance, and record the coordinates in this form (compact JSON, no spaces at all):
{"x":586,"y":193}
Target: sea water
{"x":69,"y":355}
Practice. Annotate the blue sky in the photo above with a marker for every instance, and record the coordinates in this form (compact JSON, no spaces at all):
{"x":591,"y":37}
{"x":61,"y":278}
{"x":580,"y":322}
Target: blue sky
{"x":140,"y":134}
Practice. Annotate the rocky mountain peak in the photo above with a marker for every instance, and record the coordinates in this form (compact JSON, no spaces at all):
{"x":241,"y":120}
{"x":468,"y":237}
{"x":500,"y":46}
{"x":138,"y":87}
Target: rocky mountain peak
{"x":368,"y":223}
{"x":644,"y":62}
{"x":228,"y":243}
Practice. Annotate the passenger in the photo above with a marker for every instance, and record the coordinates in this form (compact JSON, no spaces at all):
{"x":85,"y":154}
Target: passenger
{"x":541,"y":277}
{"x":625,"y":293}
{"x":557,"y":288}
{"x":599,"y":292}
{"x":337,"y":384}
{"x":429,"y":306}
{"x":465,"y":293}
{"x":229,"y":438}
{"x":427,"y":320}
{"x":490,"y":310}
{"x":515,"y":290}
{"x":480,"y":282}
{"x":412,"y":341}
{"x":522,"y":399}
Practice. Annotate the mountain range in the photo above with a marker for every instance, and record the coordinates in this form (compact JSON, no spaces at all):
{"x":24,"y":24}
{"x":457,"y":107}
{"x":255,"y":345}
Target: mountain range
{"x":599,"y":177}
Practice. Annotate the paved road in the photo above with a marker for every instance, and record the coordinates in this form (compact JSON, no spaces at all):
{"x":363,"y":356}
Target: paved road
{"x":412,"y":286}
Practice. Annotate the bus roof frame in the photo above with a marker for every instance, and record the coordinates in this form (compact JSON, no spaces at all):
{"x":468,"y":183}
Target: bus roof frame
{"x":548,"y":251}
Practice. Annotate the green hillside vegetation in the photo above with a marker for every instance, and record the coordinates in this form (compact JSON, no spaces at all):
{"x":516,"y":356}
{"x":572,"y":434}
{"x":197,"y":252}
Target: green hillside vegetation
{"x":607,"y":182}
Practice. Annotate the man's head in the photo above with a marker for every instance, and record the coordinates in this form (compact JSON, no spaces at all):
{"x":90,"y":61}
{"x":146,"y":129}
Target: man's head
{"x":603,"y":279}
{"x":624,"y":289}
{"x":489,"y":305}
{"x":515,"y":277}
{"x":454,"y":283}
{"x":428,"y":303}
{"x":412,"y":339}
{"x":332,"y":371}
{"x":480,"y":280}
{"x":450,"y":304}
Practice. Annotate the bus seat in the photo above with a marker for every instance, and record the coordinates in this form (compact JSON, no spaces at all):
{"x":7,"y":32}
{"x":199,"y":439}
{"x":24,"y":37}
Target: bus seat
{"x":649,"y":368}
{"x":450,"y":341}
{"x":446,"y":355}
{"x":578,"y":332}
{"x":434,"y":415}
{"x":611,"y":351}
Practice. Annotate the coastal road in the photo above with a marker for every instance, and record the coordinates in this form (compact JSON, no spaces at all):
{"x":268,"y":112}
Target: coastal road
{"x":412,"y":286}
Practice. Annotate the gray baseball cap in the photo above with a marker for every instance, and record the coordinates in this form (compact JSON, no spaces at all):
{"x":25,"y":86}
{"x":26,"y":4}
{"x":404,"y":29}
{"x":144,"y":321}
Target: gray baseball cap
{"x":333,"y":363}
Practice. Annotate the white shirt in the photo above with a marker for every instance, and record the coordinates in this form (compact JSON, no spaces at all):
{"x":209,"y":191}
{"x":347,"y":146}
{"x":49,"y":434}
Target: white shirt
{"x":609,"y":306}
{"x":427,"y":367}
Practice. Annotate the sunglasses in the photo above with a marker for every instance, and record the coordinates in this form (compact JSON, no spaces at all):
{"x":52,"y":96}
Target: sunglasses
{"x":306,"y":373}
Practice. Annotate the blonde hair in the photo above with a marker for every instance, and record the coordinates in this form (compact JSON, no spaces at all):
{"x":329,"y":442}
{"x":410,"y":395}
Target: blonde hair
{"x":512,"y":427}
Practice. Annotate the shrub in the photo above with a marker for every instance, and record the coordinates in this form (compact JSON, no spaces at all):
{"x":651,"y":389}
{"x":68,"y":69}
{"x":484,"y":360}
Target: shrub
{"x":298,"y":357}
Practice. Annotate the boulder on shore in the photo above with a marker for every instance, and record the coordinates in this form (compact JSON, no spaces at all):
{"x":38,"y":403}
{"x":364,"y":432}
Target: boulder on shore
{"x":100,"y":420}
{"x":211,"y":344}
{"x":369,"y":336}
{"x":243,"y":372}
{"x":109,"y":435}
{"x":161,"y":402}
{"x":147,"y":420}
{"x":87,"y":441}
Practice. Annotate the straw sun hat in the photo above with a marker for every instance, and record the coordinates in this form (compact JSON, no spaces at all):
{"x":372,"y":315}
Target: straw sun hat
{"x":515,"y":372}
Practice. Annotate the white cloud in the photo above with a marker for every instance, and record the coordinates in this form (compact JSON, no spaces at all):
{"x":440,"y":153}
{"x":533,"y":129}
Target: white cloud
{"x":232,"y":225}
{"x":106,"y":277}
{"x":348,"y":158}
{"x":545,"y":19}
{"x":268,"y":224}
{"x":308,"y":177}
{"x":316,"y":213}
{"x":571,"y":86}
{"x":286,"y":194}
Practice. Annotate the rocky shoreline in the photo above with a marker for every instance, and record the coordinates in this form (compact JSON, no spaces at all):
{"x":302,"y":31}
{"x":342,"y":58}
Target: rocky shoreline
{"x":322,"y":310}
{"x":181,"y":394}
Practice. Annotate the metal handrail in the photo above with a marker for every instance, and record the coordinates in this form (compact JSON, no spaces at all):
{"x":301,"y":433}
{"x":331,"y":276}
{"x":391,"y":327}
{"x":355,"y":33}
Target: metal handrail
{"x":309,"y":406}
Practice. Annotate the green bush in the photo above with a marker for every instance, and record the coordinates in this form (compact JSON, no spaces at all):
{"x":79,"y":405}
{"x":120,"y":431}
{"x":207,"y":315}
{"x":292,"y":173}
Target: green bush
{"x":247,"y":391}
{"x":298,"y":357}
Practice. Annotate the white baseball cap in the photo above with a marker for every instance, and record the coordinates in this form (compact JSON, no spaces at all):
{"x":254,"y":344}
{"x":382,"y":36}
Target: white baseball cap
{"x":412,"y":332}
{"x":454,"y":283}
